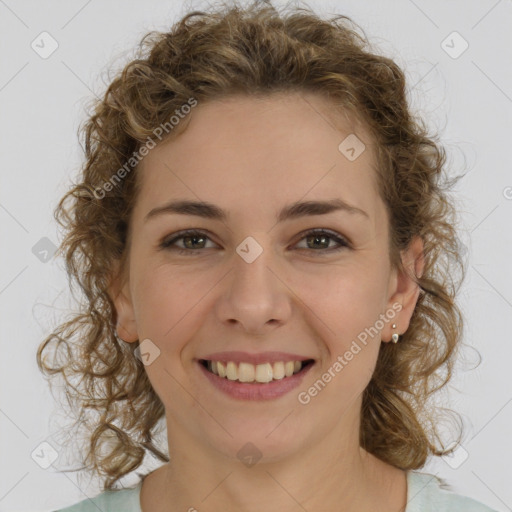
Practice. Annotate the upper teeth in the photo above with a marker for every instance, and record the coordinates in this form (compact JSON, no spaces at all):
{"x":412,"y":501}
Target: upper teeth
{"x":247,"y":372}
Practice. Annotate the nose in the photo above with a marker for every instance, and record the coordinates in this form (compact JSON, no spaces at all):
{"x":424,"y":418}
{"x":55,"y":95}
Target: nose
{"x":255,"y":297}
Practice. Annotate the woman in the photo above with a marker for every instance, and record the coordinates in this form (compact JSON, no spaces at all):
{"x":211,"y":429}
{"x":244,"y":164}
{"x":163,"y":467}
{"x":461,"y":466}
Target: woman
{"x":265,"y":241}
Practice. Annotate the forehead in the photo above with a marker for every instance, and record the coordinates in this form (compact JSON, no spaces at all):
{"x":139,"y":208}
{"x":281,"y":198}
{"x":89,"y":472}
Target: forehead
{"x":246,"y":151}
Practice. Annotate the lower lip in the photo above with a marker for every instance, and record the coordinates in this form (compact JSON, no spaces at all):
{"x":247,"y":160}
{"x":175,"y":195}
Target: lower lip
{"x":255,"y":390}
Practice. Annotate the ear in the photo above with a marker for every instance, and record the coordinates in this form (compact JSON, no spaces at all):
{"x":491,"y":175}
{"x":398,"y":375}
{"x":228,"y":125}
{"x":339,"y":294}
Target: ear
{"x":119,"y":291}
{"x":405,"y":291}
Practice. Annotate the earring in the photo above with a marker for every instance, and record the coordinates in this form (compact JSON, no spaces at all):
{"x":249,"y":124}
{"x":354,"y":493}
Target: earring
{"x":394,"y":336}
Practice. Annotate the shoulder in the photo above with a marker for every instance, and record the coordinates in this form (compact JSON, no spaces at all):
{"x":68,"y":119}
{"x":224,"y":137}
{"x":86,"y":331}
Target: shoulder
{"x":429,"y":493}
{"x":123,"y":500}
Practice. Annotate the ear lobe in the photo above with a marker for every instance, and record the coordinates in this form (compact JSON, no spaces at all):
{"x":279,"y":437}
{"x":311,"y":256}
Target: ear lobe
{"x":119,"y":292}
{"x":407,"y":290}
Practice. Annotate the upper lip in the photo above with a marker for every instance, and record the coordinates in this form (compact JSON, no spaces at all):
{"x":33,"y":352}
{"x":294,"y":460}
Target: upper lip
{"x":259,"y":358}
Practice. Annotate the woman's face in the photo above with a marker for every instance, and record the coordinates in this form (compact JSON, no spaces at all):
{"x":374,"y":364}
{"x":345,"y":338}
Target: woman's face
{"x":254,"y":283}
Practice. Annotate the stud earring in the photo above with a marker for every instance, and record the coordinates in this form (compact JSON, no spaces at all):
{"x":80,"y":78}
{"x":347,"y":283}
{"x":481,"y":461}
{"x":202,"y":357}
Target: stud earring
{"x":394,"y":336}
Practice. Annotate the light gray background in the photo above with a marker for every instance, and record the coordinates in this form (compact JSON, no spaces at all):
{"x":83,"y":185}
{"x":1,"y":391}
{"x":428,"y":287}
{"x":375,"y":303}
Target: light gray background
{"x":469,"y":99}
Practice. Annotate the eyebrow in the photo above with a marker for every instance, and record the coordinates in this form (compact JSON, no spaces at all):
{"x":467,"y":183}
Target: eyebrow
{"x":293,"y":211}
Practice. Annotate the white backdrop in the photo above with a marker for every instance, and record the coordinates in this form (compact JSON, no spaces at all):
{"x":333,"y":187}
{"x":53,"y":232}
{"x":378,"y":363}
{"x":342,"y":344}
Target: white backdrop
{"x":466,"y":93}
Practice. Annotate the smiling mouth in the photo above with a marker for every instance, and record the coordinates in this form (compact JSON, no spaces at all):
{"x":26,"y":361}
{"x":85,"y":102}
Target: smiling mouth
{"x":255,"y":373}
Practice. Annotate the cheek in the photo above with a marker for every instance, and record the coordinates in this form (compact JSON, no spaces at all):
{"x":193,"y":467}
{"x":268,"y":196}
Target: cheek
{"x":347,"y":302}
{"x":346,"y":298}
{"x":349,"y":309}
{"x":164,"y":301}
{"x":168,"y":312}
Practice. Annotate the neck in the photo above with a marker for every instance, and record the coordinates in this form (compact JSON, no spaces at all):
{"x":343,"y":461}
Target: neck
{"x":330,"y":475}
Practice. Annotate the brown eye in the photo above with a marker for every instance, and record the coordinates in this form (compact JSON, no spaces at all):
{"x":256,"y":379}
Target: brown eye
{"x":318,"y":240}
{"x":193,"y":241}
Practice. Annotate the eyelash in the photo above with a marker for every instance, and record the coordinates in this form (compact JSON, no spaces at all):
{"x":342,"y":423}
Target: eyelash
{"x":166,"y":244}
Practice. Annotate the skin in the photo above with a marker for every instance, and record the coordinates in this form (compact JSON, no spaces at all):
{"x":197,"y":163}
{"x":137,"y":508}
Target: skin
{"x":251,"y":157}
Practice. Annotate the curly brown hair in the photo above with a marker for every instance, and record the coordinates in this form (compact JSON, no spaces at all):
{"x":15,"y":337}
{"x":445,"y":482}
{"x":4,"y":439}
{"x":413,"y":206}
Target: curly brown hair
{"x":254,"y":50}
